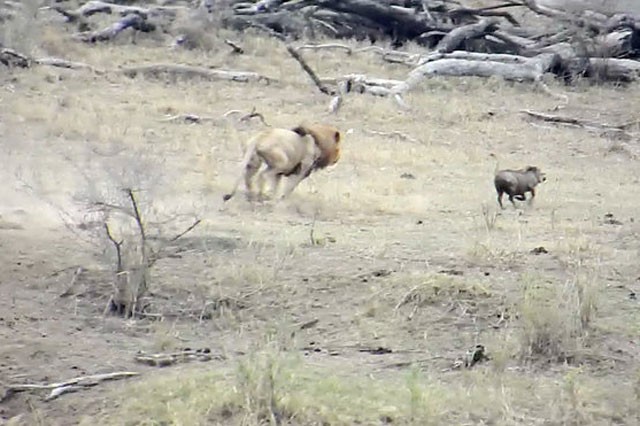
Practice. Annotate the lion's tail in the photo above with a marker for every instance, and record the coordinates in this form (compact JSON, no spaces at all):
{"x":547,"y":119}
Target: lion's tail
{"x":251,"y":149}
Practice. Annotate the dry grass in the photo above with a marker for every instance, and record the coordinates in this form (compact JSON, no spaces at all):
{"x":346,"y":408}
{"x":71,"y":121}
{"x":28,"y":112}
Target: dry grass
{"x":428,"y":267}
{"x":270,"y":387}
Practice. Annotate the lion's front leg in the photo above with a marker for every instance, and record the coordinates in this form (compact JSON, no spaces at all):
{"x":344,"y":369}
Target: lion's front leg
{"x":295,"y":179}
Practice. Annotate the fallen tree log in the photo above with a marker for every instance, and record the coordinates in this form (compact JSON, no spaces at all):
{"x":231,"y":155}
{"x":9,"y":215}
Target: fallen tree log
{"x":63,"y":63}
{"x":187,"y":71}
{"x":530,"y":70}
{"x":73,"y":385}
{"x":402,"y":23}
{"x":611,"y":69}
{"x":456,"y":37}
{"x":134,"y":21}
{"x":95,"y":6}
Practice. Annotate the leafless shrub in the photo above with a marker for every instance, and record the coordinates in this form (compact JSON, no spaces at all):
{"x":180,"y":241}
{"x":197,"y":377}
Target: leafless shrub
{"x":133,"y":263}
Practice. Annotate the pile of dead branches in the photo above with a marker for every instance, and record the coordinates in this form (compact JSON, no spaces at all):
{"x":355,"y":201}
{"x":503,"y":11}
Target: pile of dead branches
{"x":518,"y":40}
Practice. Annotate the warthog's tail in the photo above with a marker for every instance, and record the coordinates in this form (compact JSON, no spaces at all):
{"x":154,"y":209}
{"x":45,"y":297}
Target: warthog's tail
{"x":251,"y":149}
{"x":497,"y":168}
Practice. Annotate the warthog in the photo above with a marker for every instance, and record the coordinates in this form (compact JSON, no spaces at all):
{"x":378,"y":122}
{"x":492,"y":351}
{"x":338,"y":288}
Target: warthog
{"x":516,"y":183}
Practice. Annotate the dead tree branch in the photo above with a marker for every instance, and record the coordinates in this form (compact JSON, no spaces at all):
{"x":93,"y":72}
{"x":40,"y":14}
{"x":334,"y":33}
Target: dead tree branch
{"x":117,"y":245}
{"x":572,"y":121}
{"x":295,"y":55}
{"x":134,"y":21}
{"x":67,"y":386}
{"x":187,"y":71}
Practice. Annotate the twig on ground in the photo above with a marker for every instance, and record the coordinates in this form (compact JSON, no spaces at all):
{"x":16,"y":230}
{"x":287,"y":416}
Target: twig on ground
{"x":325,"y":46}
{"x":72,"y":385}
{"x":69,"y":290}
{"x":254,"y":114}
{"x":163,"y":360}
{"x":236,"y":48}
{"x":575,"y":121}
{"x":190,"y":118}
{"x":189,"y":229}
{"x":394,"y":133}
{"x":406,"y":298}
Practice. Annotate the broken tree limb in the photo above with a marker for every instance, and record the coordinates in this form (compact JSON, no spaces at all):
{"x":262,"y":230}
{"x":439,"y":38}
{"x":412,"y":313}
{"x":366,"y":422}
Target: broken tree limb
{"x":572,"y":121}
{"x":473,"y":56}
{"x":63,"y":63}
{"x":531,"y":70}
{"x":464,"y":13}
{"x":93,"y":7}
{"x":333,"y":46}
{"x":12,"y":58}
{"x":58,"y":389}
{"x":611,"y":69}
{"x":166,"y":359}
{"x":404,"y":21}
{"x":187,"y":71}
{"x":394,"y":133}
{"x":295,"y":55}
{"x":456,"y":37}
{"x":134,"y":21}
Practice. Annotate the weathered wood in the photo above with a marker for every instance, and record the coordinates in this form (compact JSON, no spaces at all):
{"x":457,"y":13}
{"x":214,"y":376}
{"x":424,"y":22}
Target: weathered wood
{"x":134,"y":21}
{"x":530,"y":70}
{"x":611,"y":69}
{"x":12,"y":58}
{"x":63,"y":63}
{"x":307,"y":69}
{"x":57,"y":389}
{"x":186,"y":71}
{"x":401,"y":21}
{"x":95,"y":6}
{"x":456,"y":37}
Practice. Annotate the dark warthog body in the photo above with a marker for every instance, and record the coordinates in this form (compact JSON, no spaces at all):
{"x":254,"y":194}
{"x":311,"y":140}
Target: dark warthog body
{"x":516,"y":183}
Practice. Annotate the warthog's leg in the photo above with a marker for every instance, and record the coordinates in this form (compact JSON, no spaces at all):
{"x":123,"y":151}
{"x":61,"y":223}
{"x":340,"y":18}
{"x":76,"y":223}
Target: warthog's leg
{"x":500,"y":199}
{"x":533,"y":195}
{"x":512,"y":201}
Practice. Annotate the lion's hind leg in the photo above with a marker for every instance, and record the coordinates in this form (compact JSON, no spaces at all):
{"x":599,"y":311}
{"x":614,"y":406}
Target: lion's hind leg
{"x":268,"y":182}
{"x":253,"y":166}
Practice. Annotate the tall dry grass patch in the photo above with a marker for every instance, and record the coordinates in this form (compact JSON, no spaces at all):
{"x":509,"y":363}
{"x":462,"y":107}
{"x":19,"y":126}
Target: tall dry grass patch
{"x":557,"y":320}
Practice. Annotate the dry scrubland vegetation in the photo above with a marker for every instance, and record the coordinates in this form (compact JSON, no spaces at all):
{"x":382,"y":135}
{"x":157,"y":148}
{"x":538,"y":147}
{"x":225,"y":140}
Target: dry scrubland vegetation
{"x":424,"y":265}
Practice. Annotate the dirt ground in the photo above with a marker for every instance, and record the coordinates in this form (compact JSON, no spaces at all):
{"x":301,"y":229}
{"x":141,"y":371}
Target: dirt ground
{"x":397,"y":258}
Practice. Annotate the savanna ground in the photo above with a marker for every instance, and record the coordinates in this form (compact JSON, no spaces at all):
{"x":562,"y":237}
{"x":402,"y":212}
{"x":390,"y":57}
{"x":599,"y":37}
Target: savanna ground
{"x":351,"y":302}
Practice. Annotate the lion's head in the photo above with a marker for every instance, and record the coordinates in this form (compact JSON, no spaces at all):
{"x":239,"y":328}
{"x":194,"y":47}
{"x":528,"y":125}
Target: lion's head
{"x":328,"y":139}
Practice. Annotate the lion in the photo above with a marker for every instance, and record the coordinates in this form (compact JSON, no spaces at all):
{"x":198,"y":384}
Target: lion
{"x":293,"y":153}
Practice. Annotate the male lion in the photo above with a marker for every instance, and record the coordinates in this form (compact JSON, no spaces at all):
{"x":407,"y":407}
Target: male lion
{"x":293,"y":153}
